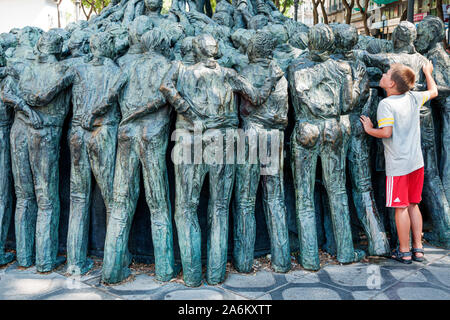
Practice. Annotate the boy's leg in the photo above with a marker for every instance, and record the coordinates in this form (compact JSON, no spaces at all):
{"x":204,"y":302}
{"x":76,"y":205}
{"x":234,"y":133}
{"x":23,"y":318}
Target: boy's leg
{"x":415,"y":180}
{"x":397,"y":197}
{"x":403,"y":224}
{"x":416,"y":227}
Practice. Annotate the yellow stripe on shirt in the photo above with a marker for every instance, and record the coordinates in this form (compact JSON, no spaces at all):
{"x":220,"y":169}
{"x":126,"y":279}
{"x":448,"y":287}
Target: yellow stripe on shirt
{"x":426,"y":97}
{"x":381,"y":121}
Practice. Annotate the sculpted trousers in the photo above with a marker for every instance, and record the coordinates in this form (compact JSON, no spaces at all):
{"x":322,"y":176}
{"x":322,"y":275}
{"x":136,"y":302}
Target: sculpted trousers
{"x":362,"y":191}
{"x":35,"y":156}
{"x":309,"y":140}
{"x":92,"y":152}
{"x":5,"y":192}
{"x":433,"y":189}
{"x":248,"y":176}
{"x":189,"y":178}
{"x":140,"y":144}
{"x":445,"y":151}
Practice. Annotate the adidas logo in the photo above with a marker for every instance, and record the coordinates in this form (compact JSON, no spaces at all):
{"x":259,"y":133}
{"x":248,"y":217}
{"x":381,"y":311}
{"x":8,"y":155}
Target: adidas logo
{"x":397,"y":200}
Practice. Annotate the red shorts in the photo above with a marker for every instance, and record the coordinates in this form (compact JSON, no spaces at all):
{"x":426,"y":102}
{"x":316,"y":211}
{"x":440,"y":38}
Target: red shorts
{"x":401,"y":191}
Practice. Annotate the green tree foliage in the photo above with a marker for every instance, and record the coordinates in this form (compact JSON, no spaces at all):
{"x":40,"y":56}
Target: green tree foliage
{"x":89,"y":7}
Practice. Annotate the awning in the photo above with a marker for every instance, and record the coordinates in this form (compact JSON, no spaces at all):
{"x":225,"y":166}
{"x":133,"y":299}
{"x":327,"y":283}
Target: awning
{"x":379,"y":2}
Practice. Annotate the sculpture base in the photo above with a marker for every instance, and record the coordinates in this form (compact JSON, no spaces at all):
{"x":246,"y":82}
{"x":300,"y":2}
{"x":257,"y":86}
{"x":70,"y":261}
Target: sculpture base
{"x":434,"y":240}
{"x":59,"y":261}
{"x":78,"y":271}
{"x":6,"y":258}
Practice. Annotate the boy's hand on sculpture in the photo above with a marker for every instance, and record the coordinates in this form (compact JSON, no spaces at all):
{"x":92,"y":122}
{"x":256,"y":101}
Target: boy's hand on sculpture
{"x":366,"y":122}
{"x":428,"y":68}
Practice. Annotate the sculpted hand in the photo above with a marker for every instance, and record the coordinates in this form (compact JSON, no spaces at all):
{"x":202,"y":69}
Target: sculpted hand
{"x":88,"y":121}
{"x":366,"y":122}
{"x":35,"y":119}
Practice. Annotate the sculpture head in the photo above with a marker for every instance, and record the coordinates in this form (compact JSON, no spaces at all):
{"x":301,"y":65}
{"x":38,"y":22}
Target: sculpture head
{"x":223,"y":18}
{"x":278,"y":32}
{"x":297,"y":34}
{"x":137,"y":28}
{"x":187,"y":50}
{"x":102,"y":45}
{"x":320,"y":41}
{"x":205,"y":47}
{"x":241,"y":38}
{"x":157,"y":40}
{"x":261,"y":46}
{"x":375,"y":46}
{"x":404,"y":36}
{"x":79,"y":25}
{"x":430,"y":31}
{"x":2,"y":57}
{"x":50,"y":43}
{"x":258,"y":22}
{"x":345,"y":37}
{"x":79,"y":43}
{"x":28,"y":36}
{"x":8,"y":40}
{"x":154,"y":5}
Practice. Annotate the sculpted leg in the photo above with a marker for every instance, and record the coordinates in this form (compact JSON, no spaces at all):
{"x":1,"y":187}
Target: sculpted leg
{"x":5,"y":193}
{"x":44,"y":159}
{"x":26,"y":206}
{"x":244,"y":229}
{"x":275,"y":212}
{"x":189,"y":180}
{"x":433,"y":190}
{"x":221,"y":178}
{"x":153,"y":155}
{"x":80,"y":198}
{"x":445,"y":153}
{"x":102,"y":155}
{"x":304,"y":163}
{"x":363,"y":195}
{"x":126,"y":193}
{"x":333,"y":170}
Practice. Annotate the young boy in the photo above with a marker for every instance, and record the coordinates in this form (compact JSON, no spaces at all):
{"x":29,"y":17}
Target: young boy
{"x":398,"y":117}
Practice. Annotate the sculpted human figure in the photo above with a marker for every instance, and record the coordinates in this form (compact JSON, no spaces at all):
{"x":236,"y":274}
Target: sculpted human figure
{"x":317,"y":86}
{"x":360,"y":101}
{"x":143,"y":137}
{"x":92,"y":142}
{"x":6,"y":184}
{"x":430,"y":33}
{"x":202,"y":95}
{"x":434,"y":197}
{"x":268,"y":119}
{"x":136,"y":29}
{"x":42,"y":104}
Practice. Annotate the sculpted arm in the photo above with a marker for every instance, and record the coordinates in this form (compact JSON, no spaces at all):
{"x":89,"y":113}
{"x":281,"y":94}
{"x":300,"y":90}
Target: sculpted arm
{"x":45,"y":97}
{"x":256,"y":96}
{"x":112,"y":95}
{"x":169,"y":90}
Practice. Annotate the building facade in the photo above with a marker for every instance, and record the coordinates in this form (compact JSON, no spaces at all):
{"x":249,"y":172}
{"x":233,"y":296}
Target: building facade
{"x":36,"y":13}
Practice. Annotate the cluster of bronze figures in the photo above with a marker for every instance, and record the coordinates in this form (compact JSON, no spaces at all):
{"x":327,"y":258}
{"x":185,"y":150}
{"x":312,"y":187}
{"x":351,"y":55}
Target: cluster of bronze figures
{"x":124,"y":72}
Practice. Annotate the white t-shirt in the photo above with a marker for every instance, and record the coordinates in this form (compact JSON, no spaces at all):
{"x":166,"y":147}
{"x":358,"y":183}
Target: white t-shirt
{"x":402,"y":150}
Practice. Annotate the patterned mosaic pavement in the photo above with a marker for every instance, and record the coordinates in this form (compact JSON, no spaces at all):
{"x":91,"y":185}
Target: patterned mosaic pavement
{"x":378,"y":279}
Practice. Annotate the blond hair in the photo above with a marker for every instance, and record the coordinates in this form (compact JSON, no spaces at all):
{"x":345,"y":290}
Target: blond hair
{"x":403,"y":76}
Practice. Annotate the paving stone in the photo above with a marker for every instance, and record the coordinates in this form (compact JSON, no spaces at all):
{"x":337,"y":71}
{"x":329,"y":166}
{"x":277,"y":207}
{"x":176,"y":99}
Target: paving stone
{"x":306,"y":278}
{"x":316,"y":292}
{"x":359,"y":277}
{"x":416,"y":291}
{"x":253,"y":285}
{"x":365,"y":295}
{"x":211,"y":293}
{"x":140,"y":288}
{"x":80,"y":294}
{"x":438,"y":274}
{"x":29,"y":286}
